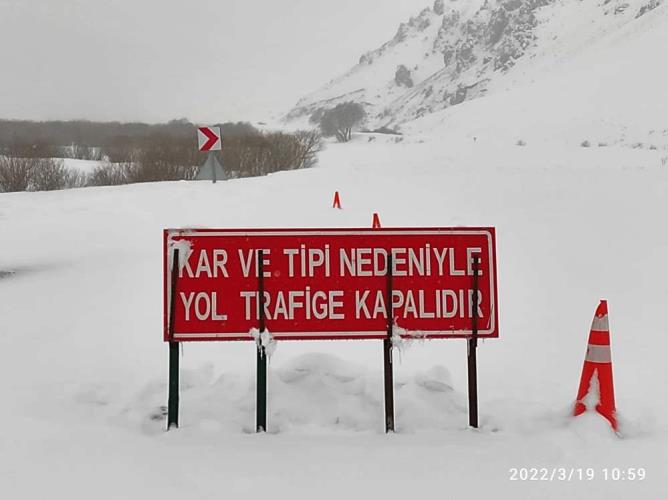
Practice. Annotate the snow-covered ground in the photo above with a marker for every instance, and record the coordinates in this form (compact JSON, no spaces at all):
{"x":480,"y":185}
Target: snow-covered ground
{"x":83,"y":369}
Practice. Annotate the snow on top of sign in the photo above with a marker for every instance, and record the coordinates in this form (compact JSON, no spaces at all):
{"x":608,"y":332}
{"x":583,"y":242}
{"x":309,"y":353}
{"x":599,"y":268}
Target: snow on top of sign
{"x":264,"y":339}
{"x":403,"y":339}
{"x":183,"y":246}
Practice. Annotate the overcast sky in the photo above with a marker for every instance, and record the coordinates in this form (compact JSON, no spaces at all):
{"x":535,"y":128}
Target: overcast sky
{"x":154,"y":60}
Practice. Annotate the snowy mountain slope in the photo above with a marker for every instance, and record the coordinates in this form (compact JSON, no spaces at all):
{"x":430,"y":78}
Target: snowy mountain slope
{"x":460,"y":50}
{"x":613,"y":93}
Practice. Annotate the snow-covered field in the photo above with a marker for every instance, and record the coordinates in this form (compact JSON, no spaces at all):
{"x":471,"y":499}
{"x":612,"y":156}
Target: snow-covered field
{"x":83,"y":369}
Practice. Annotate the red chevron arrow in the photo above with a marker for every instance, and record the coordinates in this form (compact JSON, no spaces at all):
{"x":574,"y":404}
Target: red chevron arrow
{"x":211,"y":138}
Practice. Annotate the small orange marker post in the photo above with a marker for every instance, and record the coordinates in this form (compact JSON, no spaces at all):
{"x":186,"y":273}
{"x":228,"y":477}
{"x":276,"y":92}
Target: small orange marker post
{"x":376,"y":221}
{"x":337,"y":200}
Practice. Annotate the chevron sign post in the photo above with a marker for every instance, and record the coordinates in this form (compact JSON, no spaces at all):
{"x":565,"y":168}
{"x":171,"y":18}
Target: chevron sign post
{"x":209,"y":139}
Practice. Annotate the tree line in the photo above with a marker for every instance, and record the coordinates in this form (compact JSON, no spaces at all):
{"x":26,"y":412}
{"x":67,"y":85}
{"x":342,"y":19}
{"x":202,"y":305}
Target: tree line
{"x":31,"y":152}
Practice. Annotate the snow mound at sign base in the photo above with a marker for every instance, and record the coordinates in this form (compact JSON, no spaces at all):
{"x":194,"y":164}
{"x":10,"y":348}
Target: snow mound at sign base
{"x":312,"y":392}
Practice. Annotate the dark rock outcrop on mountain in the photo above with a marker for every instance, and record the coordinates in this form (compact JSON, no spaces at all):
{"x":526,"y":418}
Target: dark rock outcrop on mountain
{"x":651,"y":5}
{"x":494,"y":35}
{"x":402,"y":76}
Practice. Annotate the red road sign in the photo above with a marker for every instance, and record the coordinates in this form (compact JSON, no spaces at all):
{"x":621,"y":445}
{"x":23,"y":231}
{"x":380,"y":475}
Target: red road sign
{"x":330,"y":283}
{"x":209,"y":138}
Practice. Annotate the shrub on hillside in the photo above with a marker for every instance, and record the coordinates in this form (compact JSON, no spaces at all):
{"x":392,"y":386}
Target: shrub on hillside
{"x":15,"y":173}
{"x":50,"y":175}
{"x":162,"y":158}
{"x":37,"y":174}
{"x":294,"y":151}
{"x":109,"y":174}
{"x":340,"y":120}
{"x":270,"y":152}
{"x":156,"y":170}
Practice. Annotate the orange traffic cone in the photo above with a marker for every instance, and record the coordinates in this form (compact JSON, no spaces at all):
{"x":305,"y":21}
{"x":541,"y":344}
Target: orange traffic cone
{"x":337,"y":200}
{"x":598,"y":362}
{"x":376,"y":221}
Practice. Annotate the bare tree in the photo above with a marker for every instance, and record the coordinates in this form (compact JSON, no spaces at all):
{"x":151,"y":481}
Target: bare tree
{"x":75,"y":179}
{"x":310,"y":144}
{"x":109,"y":174}
{"x":270,"y":152}
{"x":49,"y":175}
{"x":340,"y":120}
{"x":159,"y":170}
{"x":284,"y":152}
{"x":15,"y":173}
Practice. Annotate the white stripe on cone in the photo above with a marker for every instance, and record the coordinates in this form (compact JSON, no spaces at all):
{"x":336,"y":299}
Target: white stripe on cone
{"x":600,"y":324}
{"x":598,"y":354}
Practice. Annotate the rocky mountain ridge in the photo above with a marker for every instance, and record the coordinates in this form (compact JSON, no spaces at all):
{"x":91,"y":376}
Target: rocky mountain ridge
{"x":458,"y":50}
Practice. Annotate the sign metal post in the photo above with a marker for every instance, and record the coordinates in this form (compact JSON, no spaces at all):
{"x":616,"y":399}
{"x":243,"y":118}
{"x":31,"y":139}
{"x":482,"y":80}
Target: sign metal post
{"x":472,"y":347}
{"x":387,"y":354}
{"x":173,"y":398}
{"x":261,"y":390}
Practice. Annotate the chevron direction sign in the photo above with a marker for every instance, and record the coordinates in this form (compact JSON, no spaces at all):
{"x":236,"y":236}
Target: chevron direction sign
{"x":209,"y":139}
